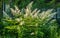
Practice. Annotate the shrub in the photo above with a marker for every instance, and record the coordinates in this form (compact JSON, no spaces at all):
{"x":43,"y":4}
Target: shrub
{"x":31,"y":24}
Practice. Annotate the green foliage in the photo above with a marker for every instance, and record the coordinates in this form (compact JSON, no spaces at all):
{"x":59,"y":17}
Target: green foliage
{"x":0,"y":4}
{"x":30,"y":24}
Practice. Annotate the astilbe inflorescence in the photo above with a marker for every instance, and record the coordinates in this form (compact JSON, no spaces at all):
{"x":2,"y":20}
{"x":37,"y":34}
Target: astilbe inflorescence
{"x":32,"y":23}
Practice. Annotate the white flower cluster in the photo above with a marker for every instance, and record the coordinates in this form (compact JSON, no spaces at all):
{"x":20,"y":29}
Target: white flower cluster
{"x":45,"y":15}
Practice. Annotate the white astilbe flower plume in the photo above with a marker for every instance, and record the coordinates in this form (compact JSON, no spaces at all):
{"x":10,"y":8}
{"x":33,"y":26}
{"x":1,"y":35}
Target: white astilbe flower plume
{"x":36,"y":13}
{"x":46,"y":14}
{"x":28,"y":9}
{"x":29,"y":6}
{"x":15,"y":11}
{"x":29,"y":14}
